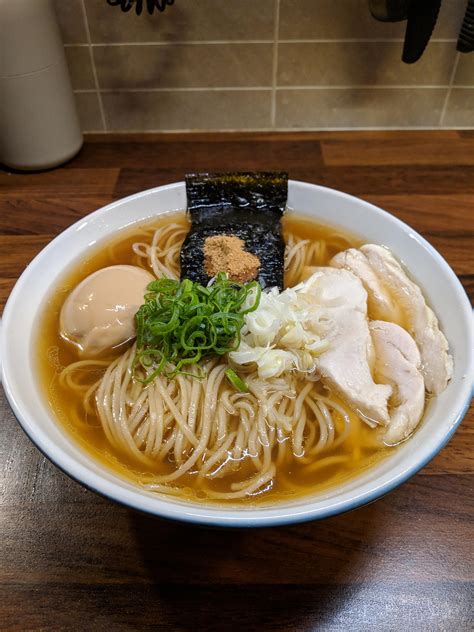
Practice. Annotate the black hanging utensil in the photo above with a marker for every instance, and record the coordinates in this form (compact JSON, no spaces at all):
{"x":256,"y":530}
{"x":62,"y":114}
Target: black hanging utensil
{"x":422,"y":16}
{"x":151,"y":5}
{"x":466,"y":35}
{"x":389,"y":10}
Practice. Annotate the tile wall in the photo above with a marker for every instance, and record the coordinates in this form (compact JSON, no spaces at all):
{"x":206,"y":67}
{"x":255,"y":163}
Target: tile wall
{"x":261,"y":65}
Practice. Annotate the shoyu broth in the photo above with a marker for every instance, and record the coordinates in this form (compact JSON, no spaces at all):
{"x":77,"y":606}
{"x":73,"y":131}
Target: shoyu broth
{"x":357,"y":453}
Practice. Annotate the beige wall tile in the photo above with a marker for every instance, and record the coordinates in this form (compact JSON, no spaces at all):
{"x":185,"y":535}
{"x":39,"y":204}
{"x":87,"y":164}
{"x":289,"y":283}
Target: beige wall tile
{"x":460,"y":110}
{"x":71,"y":21}
{"x":465,"y":70}
{"x":186,"y":20}
{"x":327,"y":19}
{"x":362,"y":63}
{"x":167,"y":66}
{"x":364,"y":107}
{"x":89,"y":111}
{"x":450,"y":19}
{"x":183,"y":66}
{"x":351,"y":19}
{"x":80,"y":67}
{"x":171,"y":110}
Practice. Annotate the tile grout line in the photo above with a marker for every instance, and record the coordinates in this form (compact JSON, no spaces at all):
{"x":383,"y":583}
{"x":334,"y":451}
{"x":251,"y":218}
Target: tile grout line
{"x":258,"y":41}
{"x":94,"y":70}
{"x":450,"y":89}
{"x":276,"y":32}
{"x":177,"y":43}
{"x":365,"y":86}
{"x":355,"y":40}
{"x":205,"y":89}
{"x":270,"y":88}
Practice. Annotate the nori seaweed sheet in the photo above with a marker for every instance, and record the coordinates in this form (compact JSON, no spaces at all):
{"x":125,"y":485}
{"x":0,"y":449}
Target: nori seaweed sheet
{"x":247,"y":205}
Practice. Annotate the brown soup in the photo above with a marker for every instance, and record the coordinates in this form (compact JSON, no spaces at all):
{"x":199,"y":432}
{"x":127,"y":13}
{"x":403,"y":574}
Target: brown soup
{"x":358,"y":452}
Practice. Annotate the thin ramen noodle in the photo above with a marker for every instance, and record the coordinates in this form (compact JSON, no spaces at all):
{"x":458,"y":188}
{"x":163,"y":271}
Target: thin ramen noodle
{"x":201,"y":439}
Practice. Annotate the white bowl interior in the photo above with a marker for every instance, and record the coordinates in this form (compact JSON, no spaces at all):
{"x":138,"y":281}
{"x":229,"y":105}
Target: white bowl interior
{"x":426,"y":266}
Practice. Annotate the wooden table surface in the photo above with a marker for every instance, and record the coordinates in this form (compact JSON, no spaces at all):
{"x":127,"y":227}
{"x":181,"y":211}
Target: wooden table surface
{"x":72,"y":560}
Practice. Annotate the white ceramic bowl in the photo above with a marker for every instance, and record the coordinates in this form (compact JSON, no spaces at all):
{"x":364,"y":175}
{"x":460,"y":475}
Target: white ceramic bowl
{"x":438,"y":281}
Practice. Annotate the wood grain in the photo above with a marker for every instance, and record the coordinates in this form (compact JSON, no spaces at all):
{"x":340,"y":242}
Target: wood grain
{"x":396,"y":151}
{"x":71,"y":560}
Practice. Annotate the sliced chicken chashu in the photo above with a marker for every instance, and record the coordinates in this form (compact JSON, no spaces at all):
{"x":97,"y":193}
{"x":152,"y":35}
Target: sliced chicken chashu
{"x":436,"y":363}
{"x":342,"y":320}
{"x":397,"y":362}
{"x":380,"y":302}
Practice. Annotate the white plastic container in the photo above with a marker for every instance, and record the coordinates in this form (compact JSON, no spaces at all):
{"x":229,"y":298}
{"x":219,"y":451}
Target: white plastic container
{"x":39,"y":126}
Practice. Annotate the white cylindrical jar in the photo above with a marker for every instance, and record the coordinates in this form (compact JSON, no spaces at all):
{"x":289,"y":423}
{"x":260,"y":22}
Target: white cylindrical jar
{"x":39,"y":126}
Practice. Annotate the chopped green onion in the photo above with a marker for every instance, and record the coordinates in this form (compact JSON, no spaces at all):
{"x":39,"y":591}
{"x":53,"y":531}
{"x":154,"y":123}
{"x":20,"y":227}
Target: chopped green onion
{"x":236,"y":381}
{"x":181,"y":323}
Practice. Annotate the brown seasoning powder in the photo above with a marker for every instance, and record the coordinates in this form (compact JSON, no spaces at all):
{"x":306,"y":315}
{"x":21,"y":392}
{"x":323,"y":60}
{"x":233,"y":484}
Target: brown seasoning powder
{"x":226,"y":253}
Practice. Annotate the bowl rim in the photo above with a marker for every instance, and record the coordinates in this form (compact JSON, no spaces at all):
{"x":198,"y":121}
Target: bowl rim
{"x":230,"y":516}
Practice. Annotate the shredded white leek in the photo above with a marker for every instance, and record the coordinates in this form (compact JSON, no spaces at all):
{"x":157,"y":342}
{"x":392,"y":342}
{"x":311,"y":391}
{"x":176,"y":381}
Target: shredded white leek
{"x":280,"y":335}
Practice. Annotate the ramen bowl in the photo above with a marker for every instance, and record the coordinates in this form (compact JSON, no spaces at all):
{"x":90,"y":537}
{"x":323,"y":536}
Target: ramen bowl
{"x":439,"y":283}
